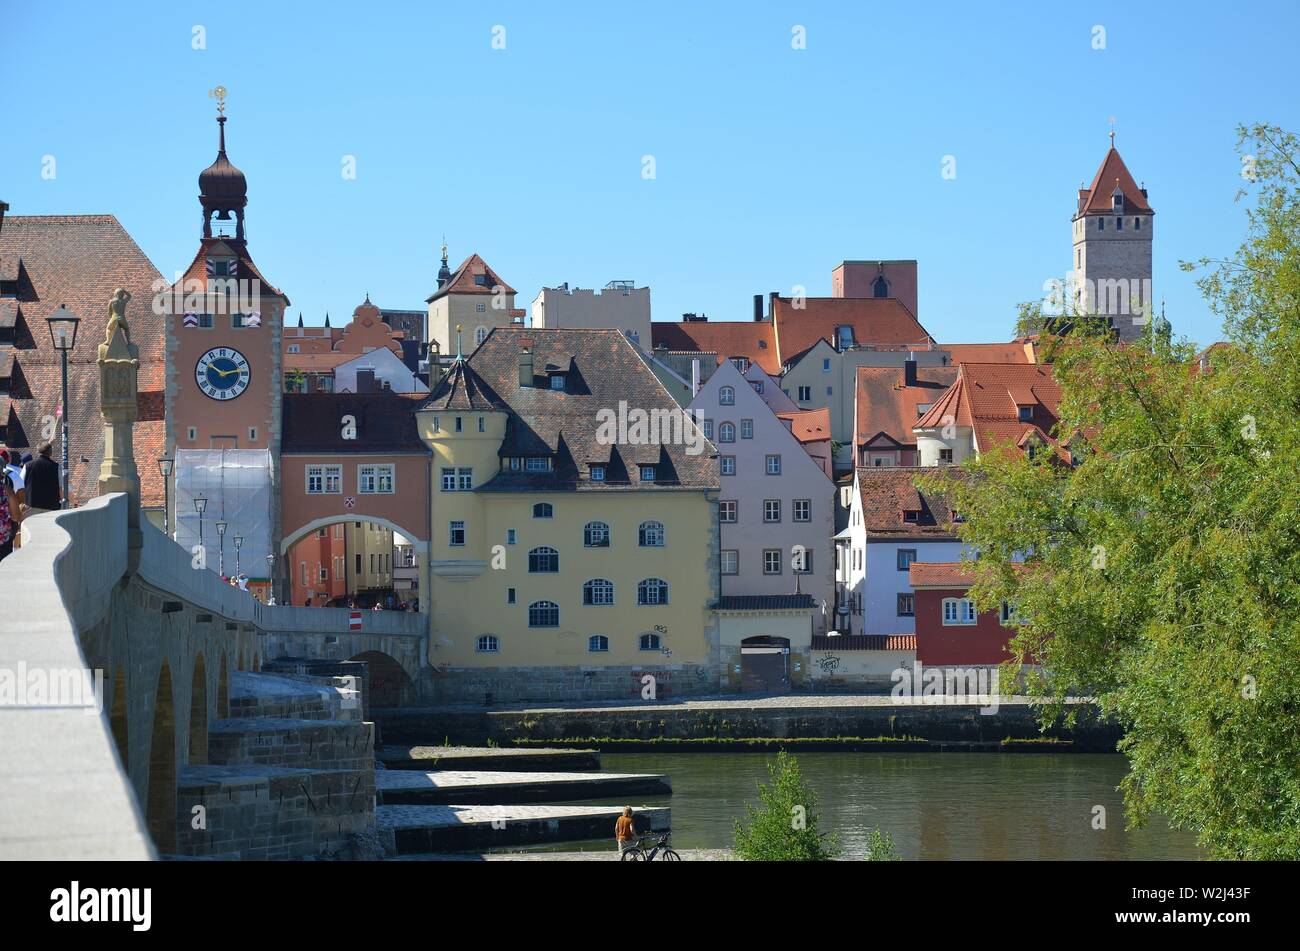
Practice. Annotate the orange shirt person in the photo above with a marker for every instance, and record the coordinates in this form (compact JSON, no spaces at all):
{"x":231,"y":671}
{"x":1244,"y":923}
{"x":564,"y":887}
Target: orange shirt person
{"x":625,"y":830}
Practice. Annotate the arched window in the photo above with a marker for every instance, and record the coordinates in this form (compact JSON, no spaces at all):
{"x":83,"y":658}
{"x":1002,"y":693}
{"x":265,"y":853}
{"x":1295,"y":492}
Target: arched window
{"x":480,"y":334}
{"x":727,"y":396}
{"x":488,"y":644}
{"x":727,"y":432}
{"x":598,"y":591}
{"x":595,"y":535}
{"x":544,"y":560}
{"x":543,"y":614}
{"x":649,"y":642}
{"x":651,"y":535}
{"x":543,"y":510}
{"x":880,"y":287}
{"x":652,"y":591}
{"x":597,"y":643}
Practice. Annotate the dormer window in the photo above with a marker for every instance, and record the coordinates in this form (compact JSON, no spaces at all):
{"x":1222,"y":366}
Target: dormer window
{"x":1025,"y":414}
{"x":537,"y":464}
{"x":1117,"y":201}
{"x":647,"y":473}
{"x":557,"y":381}
{"x":221,"y":267}
{"x":481,"y":280}
{"x":742,"y":363}
{"x":844,"y":337}
{"x":911,"y":515}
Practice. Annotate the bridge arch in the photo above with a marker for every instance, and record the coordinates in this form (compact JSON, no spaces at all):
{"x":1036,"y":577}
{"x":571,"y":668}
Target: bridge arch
{"x":420,"y":545}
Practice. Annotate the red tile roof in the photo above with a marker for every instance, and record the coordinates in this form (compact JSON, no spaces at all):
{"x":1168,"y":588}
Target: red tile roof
{"x":885,"y":405}
{"x":1113,"y":172}
{"x":78,"y":261}
{"x":464,"y":280}
{"x":986,"y":397}
{"x":864,"y":642}
{"x":879,"y":322}
{"x":888,"y":493}
{"x":1014,"y":352}
{"x":729,"y":338}
{"x":812,"y":425}
{"x":198,"y":269}
{"x":943,"y":574}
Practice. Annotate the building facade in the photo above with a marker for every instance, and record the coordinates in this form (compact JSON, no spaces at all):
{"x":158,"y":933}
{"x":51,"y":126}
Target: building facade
{"x":620,"y":305}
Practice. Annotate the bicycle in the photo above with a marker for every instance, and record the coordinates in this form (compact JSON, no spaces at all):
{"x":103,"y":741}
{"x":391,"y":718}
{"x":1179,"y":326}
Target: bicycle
{"x":661,"y":850}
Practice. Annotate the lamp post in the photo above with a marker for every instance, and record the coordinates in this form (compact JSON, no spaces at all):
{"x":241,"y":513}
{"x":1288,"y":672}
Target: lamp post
{"x":239,"y":543}
{"x":221,"y":558}
{"x":165,"y":470}
{"x":201,"y":503}
{"x":270,"y":577}
{"x":63,"y":334}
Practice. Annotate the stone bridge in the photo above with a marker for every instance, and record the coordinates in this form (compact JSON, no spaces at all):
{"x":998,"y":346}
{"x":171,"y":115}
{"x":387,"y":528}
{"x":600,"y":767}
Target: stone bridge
{"x":93,"y":773}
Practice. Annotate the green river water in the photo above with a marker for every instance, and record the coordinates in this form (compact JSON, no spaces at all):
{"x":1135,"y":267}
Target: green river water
{"x":1033,"y":806}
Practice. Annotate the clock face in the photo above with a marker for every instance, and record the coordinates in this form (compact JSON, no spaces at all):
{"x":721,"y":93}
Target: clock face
{"x":222,"y":373}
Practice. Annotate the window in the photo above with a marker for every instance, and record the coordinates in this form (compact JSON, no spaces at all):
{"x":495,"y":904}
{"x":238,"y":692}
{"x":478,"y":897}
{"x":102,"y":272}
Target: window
{"x":1008,"y":613}
{"x":649,"y":642}
{"x":557,"y":381}
{"x":595,"y":535}
{"x":651,"y":535}
{"x":357,"y":568}
{"x":537,"y":464}
{"x":375,"y":479}
{"x":958,"y":611}
{"x":805,"y":394}
{"x":455,"y":480}
{"x":543,"y":614}
{"x":911,"y":515}
{"x":482,"y":427}
{"x":205,"y":321}
{"x":880,"y":287}
{"x":945,"y":457}
{"x":1101,"y":224}
{"x":746,"y":429}
{"x":771,"y":510}
{"x":324,"y":480}
{"x":727,"y":510}
{"x":372,"y":563}
{"x":598,"y":643}
{"x":510,"y":536}
{"x":826,"y":364}
{"x":597,"y":473}
{"x":844,"y":337}
{"x":742,"y":363}
{"x":460,"y":424}
{"x":727,"y":433}
{"x":456,"y":533}
{"x":647,"y":473}
{"x":730,"y":561}
{"x":727,"y":396}
{"x":480,"y":334}
{"x":652,"y":591}
{"x":773,"y":464}
{"x":728,"y":465}
{"x":905,"y":558}
{"x":707,"y":427}
{"x":803,"y":510}
{"x":543,"y":510}
{"x":1137,"y":224}
{"x":480,"y":308}
{"x":302,"y":571}
{"x":771,"y":561}
{"x":802,"y":562}
{"x":487,"y":644}
{"x":510,"y":595}
{"x":906,"y":605}
{"x":758,"y":386}
{"x":543,"y":560}
{"x":598,"y":591}
{"x":1025,"y":413}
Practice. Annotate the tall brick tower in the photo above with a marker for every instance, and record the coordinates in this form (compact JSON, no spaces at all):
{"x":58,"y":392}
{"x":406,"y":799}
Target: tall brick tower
{"x":1112,"y":229}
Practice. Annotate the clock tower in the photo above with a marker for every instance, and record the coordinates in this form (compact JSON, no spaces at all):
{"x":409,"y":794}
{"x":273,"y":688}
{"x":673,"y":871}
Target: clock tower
{"x":223,"y":321}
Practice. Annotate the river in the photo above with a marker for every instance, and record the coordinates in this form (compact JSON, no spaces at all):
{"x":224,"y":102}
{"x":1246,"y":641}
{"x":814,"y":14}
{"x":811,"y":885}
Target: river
{"x":1031,"y":806}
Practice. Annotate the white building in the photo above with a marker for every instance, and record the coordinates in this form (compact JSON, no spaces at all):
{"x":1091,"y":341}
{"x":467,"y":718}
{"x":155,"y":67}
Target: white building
{"x":620,"y":305}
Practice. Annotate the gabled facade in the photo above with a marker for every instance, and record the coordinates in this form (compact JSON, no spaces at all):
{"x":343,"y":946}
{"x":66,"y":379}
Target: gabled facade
{"x":571,"y":556}
{"x":472,"y":297}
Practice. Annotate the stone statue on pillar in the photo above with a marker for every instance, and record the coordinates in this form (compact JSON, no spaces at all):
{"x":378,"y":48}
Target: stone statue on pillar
{"x":119,"y":366}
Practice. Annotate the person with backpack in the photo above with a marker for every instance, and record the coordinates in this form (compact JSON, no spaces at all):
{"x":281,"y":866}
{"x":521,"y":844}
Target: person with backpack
{"x":44,"y":493}
{"x":10,"y":514}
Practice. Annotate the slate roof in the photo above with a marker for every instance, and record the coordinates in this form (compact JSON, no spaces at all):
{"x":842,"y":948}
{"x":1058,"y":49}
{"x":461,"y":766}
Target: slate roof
{"x":765,"y":602}
{"x":78,"y":261}
{"x":602,"y":369}
{"x":728,"y":338}
{"x":888,"y":492}
{"x":1112,"y":173}
{"x":986,"y":397}
{"x":886,"y":405}
{"x":461,"y":388}
{"x":463,"y":281}
{"x":385,"y":423}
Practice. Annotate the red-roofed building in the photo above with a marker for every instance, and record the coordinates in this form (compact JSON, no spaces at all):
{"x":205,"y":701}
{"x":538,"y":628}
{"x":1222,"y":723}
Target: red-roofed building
{"x":949,"y":630}
{"x":890,"y":401}
{"x":474,"y":298}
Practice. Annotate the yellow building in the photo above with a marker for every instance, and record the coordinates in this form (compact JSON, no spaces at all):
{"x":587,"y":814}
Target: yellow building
{"x":473,"y":297}
{"x":370,"y":553}
{"x":572,"y":555}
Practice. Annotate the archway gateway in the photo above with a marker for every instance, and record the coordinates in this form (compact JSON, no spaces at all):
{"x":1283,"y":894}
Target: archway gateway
{"x":765,"y":664}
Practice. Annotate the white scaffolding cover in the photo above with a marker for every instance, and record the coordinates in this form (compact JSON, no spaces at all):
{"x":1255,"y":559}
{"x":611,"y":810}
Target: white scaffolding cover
{"x":237,"y":485}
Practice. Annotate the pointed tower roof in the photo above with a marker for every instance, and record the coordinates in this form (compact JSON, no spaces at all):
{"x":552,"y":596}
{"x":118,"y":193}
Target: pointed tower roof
{"x":463,"y":389}
{"x":444,"y":272}
{"x":474,"y":276}
{"x":1113,"y":174}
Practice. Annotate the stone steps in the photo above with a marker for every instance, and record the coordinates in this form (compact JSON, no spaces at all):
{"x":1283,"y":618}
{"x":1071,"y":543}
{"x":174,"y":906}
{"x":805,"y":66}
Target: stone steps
{"x":427,"y":758}
{"x":474,"y":787}
{"x":301,"y":743}
{"x":408,"y":830}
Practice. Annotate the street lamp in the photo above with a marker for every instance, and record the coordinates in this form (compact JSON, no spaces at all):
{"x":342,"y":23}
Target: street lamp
{"x":63,"y":334}
{"x":239,"y":543}
{"x":201,"y":503}
{"x":270,"y":577}
{"x":165,"y":470}
{"x":221,"y":534}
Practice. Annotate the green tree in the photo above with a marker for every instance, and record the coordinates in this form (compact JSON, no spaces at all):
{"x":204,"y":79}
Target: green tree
{"x":785,"y":828}
{"x":1162,"y":570}
{"x":880,"y":847}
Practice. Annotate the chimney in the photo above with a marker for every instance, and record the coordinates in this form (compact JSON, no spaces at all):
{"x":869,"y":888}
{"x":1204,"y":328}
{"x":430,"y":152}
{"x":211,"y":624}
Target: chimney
{"x":909,"y":370}
{"x":758,"y":308}
{"x":366,"y":381}
{"x":525,"y":367}
{"x":771,"y":306}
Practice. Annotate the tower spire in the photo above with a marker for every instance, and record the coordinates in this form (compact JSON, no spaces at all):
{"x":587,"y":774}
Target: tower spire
{"x":1112,"y":132}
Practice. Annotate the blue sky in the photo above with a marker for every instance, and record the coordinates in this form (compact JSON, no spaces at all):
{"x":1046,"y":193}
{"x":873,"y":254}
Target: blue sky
{"x":772,"y":164}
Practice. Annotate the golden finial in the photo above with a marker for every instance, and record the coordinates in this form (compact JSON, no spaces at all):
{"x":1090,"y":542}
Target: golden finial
{"x":219,"y":94}
{"x":1112,"y":132}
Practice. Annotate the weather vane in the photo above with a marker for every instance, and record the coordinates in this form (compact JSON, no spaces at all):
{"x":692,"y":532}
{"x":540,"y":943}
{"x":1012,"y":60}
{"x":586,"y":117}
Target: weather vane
{"x":1112,"y":132}
{"x":219,"y":94}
